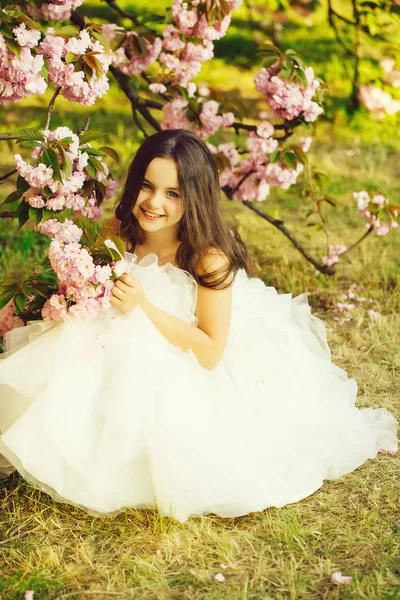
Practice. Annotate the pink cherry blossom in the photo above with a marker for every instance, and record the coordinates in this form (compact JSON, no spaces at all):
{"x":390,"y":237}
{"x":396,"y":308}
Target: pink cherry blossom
{"x":377,"y":101}
{"x":58,"y":10}
{"x":136,"y":63}
{"x":334,"y":251}
{"x":28,"y":38}
{"x":305,"y":143}
{"x":8,"y":320}
{"x":74,"y":84}
{"x":288,"y":100}
{"x":157,"y":88}
{"x":65,"y":231}
{"x":120,"y":267}
{"x":265,"y":130}
{"x":20,"y":76}
{"x":55,"y":308}
{"x":172,"y":40}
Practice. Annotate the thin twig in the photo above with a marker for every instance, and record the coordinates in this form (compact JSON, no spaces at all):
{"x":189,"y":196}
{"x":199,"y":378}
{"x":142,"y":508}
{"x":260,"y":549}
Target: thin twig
{"x":10,"y":136}
{"x":7,"y":214}
{"x":325,"y":269}
{"x":138,"y":123}
{"x":50,"y":107}
{"x":369,"y":230}
{"x":7,"y":175}
{"x":84,"y":128}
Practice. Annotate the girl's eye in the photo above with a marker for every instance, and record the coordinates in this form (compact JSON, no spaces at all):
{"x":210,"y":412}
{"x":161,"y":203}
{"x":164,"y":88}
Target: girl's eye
{"x":173,"y":194}
{"x":146,"y":186}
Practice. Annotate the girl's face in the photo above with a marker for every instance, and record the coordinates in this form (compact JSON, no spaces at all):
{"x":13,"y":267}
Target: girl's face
{"x":159,"y":205}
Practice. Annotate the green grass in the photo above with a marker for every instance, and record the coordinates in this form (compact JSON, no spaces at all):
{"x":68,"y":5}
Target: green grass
{"x":351,"y":524}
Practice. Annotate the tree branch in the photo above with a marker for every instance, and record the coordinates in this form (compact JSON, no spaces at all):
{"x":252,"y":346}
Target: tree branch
{"x":7,"y":175}
{"x":6,"y":215}
{"x":325,"y":269}
{"x":331,"y":20}
{"x":50,"y":107}
{"x":142,"y":106}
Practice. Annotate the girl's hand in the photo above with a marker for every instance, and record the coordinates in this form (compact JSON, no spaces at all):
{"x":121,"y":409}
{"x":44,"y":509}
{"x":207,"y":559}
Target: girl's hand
{"x":128,"y":293}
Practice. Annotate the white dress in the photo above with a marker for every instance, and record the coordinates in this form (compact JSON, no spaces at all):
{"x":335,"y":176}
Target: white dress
{"x":106,"y":414}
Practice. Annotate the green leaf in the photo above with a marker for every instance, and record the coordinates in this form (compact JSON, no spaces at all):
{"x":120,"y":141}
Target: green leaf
{"x":103,"y":41}
{"x":287,"y":69}
{"x":35,"y":215}
{"x":50,"y":159}
{"x":91,"y":171}
{"x":110,"y":152}
{"x":289,"y":158}
{"x":20,"y":301}
{"x":5,"y":298}
{"x":70,"y":57}
{"x":47,"y":214}
{"x":91,"y":151}
{"x":89,"y":136}
{"x":30,"y":134}
{"x":44,"y":72}
{"x":22,"y":213}
{"x":88,"y":72}
{"x":67,"y":163}
{"x":269,"y":61}
{"x":13,"y":197}
{"x":29,"y":22}
{"x":22,"y":185}
{"x":301,"y":77}
{"x":67,"y":31}
{"x":301,"y":155}
{"x":31,"y":144}
{"x":97,"y":164}
{"x":275,"y":156}
{"x":7,"y":31}
{"x":95,"y":64}
{"x":13,"y":47}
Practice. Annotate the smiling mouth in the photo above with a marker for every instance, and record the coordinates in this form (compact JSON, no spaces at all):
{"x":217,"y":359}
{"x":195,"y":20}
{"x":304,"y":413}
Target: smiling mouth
{"x":152,"y":216}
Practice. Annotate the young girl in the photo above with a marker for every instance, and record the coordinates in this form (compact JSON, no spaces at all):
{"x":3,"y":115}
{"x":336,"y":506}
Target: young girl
{"x":200,"y":390}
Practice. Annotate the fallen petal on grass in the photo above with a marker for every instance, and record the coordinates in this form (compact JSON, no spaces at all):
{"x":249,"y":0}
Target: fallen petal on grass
{"x":220,"y":577}
{"x":338,"y":578}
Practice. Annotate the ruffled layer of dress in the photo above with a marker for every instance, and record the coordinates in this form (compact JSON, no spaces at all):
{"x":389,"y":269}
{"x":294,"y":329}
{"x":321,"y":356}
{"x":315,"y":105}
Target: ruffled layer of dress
{"x":107,"y":414}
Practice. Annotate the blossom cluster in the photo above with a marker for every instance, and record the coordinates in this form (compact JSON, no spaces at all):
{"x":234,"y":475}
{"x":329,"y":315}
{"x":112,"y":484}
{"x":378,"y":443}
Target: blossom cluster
{"x":287,"y":99}
{"x":378,"y":102}
{"x":21,"y":76}
{"x":81,"y":80}
{"x":56,"y":191}
{"x":208,"y":122}
{"x":374,"y":210}
{"x":261,"y":173}
{"x":182,"y":48}
{"x":334,"y":251}
{"x":58,"y":10}
{"x":8,"y":319}
{"x":85,"y":283}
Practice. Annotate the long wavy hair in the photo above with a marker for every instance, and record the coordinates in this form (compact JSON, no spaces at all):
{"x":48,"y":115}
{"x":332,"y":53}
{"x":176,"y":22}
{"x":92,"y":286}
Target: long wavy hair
{"x":203,"y":226}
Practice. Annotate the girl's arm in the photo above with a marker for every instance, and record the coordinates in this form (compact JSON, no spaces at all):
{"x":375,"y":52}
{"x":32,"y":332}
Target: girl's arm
{"x":213,"y":310}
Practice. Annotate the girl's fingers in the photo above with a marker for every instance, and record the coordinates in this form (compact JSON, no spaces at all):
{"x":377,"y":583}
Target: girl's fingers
{"x":128,"y":280}
{"x":115,"y":302}
{"x":122,"y":286}
{"x":118,"y":293}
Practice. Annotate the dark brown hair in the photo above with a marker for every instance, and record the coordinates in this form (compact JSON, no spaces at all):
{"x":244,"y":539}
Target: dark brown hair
{"x":203,"y":227}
